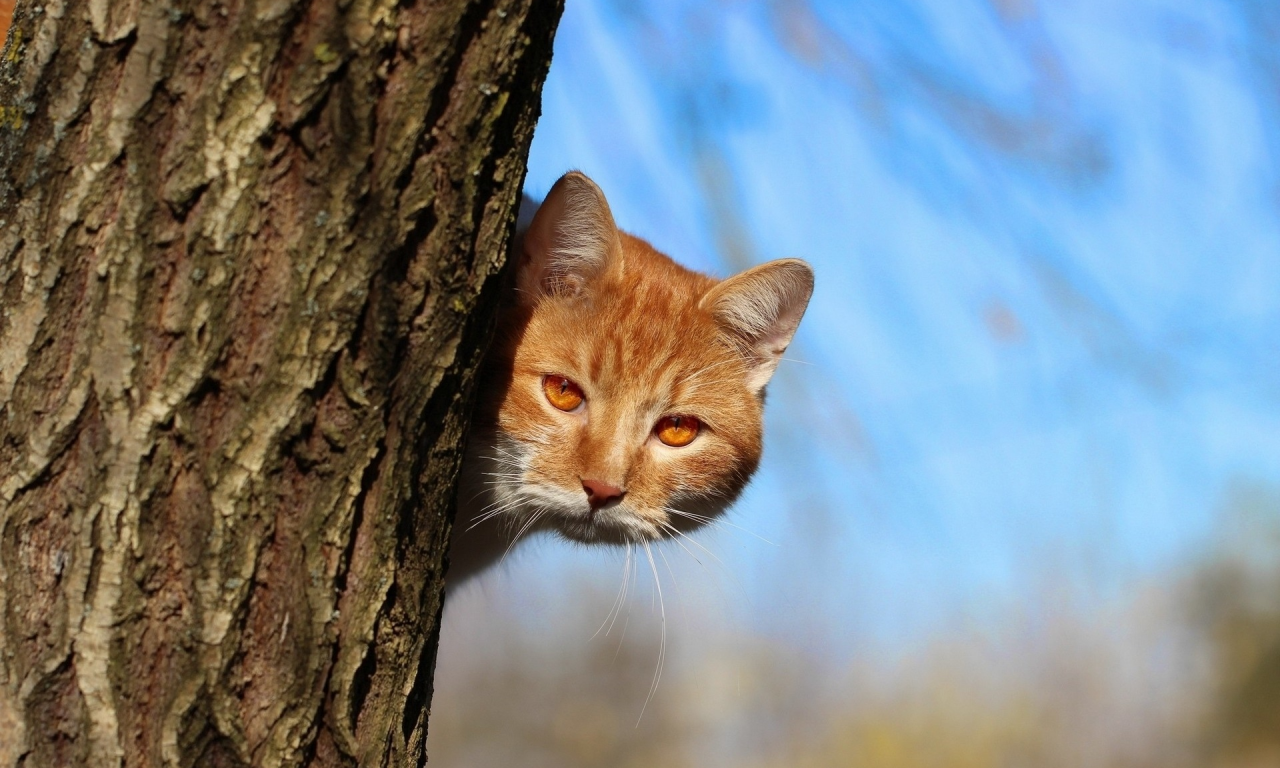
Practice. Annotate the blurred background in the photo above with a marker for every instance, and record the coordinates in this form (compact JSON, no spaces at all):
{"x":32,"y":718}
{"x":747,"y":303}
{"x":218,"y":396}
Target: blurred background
{"x":1020,"y":503}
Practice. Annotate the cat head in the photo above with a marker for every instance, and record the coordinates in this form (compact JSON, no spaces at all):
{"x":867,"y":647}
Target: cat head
{"x":624,"y":393}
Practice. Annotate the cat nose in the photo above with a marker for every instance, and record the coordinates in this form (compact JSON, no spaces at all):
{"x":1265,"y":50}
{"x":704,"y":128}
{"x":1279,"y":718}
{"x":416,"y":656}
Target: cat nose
{"x":600,"y":493}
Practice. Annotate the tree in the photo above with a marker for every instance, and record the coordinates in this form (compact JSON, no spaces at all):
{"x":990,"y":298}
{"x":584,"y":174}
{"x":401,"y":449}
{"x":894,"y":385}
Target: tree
{"x":249,"y":257}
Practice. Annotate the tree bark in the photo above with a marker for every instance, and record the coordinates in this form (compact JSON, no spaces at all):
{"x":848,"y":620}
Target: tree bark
{"x":250,"y":252}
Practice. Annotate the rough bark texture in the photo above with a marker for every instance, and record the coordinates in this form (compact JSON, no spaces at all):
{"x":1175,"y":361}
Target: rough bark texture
{"x":249,"y":255}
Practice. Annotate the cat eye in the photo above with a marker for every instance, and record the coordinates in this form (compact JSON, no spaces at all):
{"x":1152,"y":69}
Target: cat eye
{"x":677,"y":431}
{"x":562,"y":393}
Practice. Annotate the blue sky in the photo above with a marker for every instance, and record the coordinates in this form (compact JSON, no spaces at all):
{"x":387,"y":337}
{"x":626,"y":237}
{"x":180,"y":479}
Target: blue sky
{"x":1043,"y":344}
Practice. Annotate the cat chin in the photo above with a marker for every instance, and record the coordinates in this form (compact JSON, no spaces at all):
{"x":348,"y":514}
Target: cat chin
{"x":607,"y":526}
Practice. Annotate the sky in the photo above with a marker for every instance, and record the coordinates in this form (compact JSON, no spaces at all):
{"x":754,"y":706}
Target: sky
{"x":1041,"y":355}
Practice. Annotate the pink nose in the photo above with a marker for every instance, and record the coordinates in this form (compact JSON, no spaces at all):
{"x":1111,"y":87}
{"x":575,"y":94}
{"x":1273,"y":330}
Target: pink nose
{"x":599,"y":493}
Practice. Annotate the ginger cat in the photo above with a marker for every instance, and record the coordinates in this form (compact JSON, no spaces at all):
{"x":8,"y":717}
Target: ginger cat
{"x":621,"y":401}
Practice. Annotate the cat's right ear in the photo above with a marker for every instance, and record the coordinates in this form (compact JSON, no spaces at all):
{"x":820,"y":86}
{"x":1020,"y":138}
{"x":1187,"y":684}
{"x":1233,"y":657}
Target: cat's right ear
{"x":571,"y":240}
{"x":760,"y":310}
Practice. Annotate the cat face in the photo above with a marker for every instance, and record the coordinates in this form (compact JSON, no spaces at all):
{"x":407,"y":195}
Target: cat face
{"x":623,"y":396}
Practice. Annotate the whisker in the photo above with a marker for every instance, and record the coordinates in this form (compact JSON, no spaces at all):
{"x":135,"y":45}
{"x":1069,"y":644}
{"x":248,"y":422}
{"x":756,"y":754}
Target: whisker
{"x":680,"y":601}
{"x":692,"y":541}
{"x":674,"y":532}
{"x":616,"y":608}
{"x":496,"y":502}
{"x":796,"y":360}
{"x":478,"y":494}
{"x":623,"y":636}
{"x":506,"y":506}
{"x":529,"y":523}
{"x":727,"y":571}
{"x":495,"y":507}
{"x":635,"y":577}
{"x":628,"y":568}
{"x":717,"y":521}
{"x":662,"y":643}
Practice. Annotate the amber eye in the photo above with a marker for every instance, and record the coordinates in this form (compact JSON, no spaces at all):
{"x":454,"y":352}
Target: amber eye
{"x":562,"y":393}
{"x":677,"y":431}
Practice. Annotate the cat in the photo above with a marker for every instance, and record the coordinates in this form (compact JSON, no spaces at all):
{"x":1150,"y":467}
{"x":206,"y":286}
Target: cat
{"x":621,"y":401}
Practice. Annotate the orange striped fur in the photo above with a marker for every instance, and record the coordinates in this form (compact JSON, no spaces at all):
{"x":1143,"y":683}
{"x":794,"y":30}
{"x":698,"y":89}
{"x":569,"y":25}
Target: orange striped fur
{"x":643,"y":338}
{"x":6,"y":19}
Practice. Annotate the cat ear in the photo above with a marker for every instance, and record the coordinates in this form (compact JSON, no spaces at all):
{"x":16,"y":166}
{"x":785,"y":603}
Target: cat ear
{"x":571,"y":240}
{"x":760,"y":310}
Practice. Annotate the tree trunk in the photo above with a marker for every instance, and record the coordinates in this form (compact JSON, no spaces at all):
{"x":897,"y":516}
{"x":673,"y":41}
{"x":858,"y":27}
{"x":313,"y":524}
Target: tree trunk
{"x":249,"y":256}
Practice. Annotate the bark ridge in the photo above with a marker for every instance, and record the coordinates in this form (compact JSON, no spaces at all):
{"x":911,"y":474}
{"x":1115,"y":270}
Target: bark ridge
{"x":249,"y":256}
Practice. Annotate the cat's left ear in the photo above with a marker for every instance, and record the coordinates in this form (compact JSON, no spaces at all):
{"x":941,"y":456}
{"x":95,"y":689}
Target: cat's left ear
{"x":760,"y":309}
{"x":571,"y":241}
